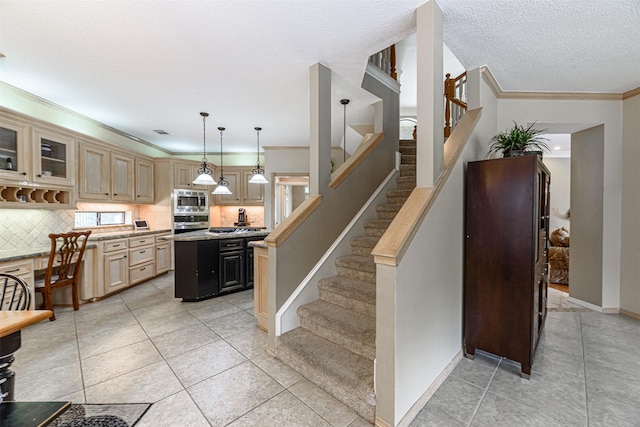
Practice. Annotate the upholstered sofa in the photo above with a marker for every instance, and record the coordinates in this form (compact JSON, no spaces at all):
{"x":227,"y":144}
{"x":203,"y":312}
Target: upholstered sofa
{"x":559,"y":256}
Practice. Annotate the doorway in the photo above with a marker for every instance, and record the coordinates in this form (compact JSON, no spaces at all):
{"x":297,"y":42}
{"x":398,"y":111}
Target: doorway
{"x":289,"y":192}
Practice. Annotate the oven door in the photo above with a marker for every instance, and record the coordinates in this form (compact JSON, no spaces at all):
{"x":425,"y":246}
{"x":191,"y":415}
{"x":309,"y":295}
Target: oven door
{"x":185,"y":223}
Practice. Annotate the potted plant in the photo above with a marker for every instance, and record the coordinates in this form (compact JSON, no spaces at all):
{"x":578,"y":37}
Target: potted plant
{"x":517,"y":141}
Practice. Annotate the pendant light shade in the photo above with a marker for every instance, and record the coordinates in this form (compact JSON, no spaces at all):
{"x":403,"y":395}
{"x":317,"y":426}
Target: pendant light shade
{"x":258,"y":172}
{"x":205,"y":174}
{"x":223,"y":184}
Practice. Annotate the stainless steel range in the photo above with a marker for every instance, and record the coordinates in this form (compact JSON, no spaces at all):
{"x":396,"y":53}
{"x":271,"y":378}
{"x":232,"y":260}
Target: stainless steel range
{"x":190,"y":210}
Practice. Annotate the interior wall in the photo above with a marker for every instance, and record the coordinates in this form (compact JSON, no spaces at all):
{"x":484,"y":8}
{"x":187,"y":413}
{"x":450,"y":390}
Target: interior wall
{"x":423,"y":295}
{"x":589,"y":113}
{"x":281,"y":161}
{"x":560,"y":169}
{"x":630,"y":252}
{"x":587,"y":189}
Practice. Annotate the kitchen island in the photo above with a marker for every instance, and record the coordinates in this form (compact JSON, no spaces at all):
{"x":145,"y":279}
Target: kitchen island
{"x":210,"y":264}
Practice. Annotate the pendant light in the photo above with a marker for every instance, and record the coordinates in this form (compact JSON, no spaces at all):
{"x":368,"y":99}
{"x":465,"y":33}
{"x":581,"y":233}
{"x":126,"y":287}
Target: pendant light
{"x":205,"y":174}
{"x":223,"y":185}
{"x":258,"y":172}
{"x":344,"y":103}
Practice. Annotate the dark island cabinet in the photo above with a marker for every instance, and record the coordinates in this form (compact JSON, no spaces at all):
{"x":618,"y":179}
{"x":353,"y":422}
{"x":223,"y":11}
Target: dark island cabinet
{"x":211,"y":267}
{"x":506,"y":266}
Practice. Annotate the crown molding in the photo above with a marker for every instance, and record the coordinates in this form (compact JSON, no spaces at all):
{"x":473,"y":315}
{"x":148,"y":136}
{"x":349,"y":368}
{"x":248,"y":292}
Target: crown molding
{"x":489,"y":78}
{"x":631,"y":93}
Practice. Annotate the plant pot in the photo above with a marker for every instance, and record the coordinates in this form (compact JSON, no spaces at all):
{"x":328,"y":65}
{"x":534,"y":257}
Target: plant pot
{"x":512,"y":153}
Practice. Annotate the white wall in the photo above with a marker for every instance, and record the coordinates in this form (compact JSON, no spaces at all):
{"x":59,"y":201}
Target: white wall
{"x":560,"y":169}
{"x":589,"y":113}
{"x":630,"y":253}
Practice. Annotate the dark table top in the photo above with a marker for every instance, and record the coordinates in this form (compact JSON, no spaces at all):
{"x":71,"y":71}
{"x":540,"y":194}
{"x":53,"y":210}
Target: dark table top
{"x":30,"y":414}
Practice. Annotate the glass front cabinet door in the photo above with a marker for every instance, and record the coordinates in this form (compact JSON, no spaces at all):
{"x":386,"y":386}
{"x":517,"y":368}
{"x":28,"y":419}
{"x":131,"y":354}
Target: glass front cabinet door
{"x":13,"y":150}
{"x":53,"y":158}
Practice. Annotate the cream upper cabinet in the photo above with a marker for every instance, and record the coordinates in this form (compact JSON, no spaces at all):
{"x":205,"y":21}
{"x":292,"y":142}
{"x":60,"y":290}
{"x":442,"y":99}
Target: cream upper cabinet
{"x":34,"y":155}
{"x":243,"y":193}
{"x":185,"y":173}
{"x":54,"y":158}
{"x":14,"y":150}
{"x":234,"y":177}
{"x":94,"y":173}
{"x":122,"y":184}
{"x":110,"y":175}
{"x":144,"y":181}
{"x":253,"y":194}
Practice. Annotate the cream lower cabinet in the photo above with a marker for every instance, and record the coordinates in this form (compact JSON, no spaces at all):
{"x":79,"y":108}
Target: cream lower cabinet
{"x":115,"y":265}
{"x":141,"y":259}
{"x":163,"y":254}
{"x":21,"y":269}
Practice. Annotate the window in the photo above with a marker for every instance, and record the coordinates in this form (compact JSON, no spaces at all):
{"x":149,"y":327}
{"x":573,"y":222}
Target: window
{"x":96,"y":219}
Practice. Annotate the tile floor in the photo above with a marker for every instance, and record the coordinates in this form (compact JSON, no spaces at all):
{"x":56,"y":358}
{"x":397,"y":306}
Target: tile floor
{"x":203,"y":364}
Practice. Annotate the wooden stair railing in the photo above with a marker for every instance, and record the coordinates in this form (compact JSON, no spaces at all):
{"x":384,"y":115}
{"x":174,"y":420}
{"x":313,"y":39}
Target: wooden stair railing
{"x":386,"y":61}
{"x":455,"y":92}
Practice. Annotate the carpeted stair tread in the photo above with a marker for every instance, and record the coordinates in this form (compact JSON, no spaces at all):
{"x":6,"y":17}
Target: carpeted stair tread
{"x":379,"y":223}
{"x":355,"y":331}
{"x":387,"y":210}
{"x":407,"y":149}
{"x":408,"y":159}
{"x":358,"y":267}
{"x":349,"y":293}
{"x":345,"y":375}
{"x":363,"y":245}
{"x":399,"y":193}
{"x":357,"y":262}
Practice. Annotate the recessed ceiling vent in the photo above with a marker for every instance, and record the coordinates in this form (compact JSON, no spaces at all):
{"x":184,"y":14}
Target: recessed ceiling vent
{"x":161,"y":132}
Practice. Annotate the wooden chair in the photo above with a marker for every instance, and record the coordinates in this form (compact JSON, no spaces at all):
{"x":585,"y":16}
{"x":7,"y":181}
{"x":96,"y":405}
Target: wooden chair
{"x":14,"y":293}
{"x":65,"y":259}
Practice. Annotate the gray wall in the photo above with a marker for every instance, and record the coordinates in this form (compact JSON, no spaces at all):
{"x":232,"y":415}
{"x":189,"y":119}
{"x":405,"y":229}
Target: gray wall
{"x":587,"y":197}
{"x":560,"y":169}
{"x":630,"y":253}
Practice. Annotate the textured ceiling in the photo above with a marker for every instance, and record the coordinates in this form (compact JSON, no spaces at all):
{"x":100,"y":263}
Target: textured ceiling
{"x":143,"y":65}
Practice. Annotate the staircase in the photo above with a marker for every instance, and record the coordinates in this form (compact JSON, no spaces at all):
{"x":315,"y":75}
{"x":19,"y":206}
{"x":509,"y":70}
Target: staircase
{"x":335,"y":344}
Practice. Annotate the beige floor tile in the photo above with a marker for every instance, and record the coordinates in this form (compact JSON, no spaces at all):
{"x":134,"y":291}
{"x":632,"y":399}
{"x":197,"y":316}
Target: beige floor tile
{"x":204,"y":362}
{"x":146,"y":385}
{"x":250,"y":343}
{"x":284,"y":410}
{"x":184,"y":340}
{"x":51,"y":384}
{"x":330,"y":408}
{"x":277,"y":370}
{"x":233,"y":393}
{"x":232,"y":324}
{"x":110,"y":339}
{"x":114,"y":363}
{"x":175,"y":410}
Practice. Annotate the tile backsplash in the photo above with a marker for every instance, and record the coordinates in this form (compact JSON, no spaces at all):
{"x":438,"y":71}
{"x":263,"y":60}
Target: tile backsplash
{"x":24,"y":228}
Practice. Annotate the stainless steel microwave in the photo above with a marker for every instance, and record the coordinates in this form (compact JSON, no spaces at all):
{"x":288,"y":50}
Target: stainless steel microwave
{"x":189,"y":202}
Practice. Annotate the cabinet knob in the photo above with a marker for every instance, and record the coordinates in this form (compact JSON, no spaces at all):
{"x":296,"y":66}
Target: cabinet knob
{"x":106,"y":194}
{"x":115,"y":194}
{"x":23,"y":173}
{"x":39,"y":176}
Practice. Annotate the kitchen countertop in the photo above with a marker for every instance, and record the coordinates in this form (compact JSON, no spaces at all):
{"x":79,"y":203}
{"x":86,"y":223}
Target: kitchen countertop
{"x":39,"y":251}
{"x":258,"y":244}
{"x":207,"y":235}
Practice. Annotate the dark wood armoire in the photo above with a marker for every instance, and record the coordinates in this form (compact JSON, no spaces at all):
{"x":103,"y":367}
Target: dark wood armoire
{"x":506,"y":246}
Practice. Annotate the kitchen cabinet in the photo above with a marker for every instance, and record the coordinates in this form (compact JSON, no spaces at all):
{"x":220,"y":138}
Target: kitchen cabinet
{"x":212,"y":267}
{"x":122,"y":179}
{"x":506,"y":267}
{"x":144,"y":180}
{"x":54,"y":161}
{"x":14,"y":156}
{"x":163,"y":254}
{"x":94,"y":172}
{"x":115,"y":265}
{"x":142,"y":257}
{"x":34,"y":155}
{"x":243,"y":192}
{"x":109,"y":175}
{"x":22,"y":270}
{"x":232,"y":264}
{"x":186,"y":172}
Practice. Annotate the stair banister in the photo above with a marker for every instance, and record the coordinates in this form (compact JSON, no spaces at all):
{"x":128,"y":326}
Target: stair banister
{"x":455,"y":97}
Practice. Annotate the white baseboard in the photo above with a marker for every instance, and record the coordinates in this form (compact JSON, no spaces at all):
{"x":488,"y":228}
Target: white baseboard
{"x":415,"y":409}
